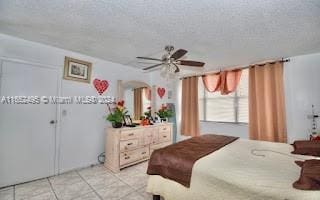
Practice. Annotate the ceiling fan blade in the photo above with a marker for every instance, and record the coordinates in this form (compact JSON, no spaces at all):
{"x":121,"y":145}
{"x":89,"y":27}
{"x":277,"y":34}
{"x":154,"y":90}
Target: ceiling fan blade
{"x":146,"y":62}
{"x":153,"y":66}
{"x":146,"y":58}
{"x":178,"y":54}
{"x":177,"y":68}
{"x":191,"y":63}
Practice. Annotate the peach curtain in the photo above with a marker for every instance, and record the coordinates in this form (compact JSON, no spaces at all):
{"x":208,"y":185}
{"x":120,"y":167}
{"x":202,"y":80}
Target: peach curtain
{"x":211,"y":82}
{"x":267,"y":120}
{"x":225,"y":81}
{"x":230,"y":81}
{"x":190,"y":109}
{"x":137,"y":103}
{"x":147,"y":93}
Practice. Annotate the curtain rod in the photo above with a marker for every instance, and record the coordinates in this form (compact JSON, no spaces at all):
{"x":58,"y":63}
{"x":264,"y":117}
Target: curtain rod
{"x":234,"y":68}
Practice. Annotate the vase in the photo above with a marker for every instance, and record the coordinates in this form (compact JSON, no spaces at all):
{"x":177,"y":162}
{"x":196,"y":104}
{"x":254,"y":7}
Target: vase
{"x":116,"y":124}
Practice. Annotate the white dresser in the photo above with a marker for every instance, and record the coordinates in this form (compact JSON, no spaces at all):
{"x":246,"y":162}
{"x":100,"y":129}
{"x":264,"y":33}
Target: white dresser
{"x":130,"y":145}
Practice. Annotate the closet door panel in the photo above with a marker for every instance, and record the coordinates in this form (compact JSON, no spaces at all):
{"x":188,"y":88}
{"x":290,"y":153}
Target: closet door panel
{"x":27,"y":131}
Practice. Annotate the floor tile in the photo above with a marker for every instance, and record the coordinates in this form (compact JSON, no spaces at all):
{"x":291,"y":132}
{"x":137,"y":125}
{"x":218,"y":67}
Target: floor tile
{"x":127,"y":172}
{"x":141,"y":167}
{"x":44,"y":196}
{"x":128,"y":184}
{"x":6,"y":188}
{"x":134,"y":196}
{"x":65,"y":178}
{"x":102,"y":180}
{"x":136,"y":180}
{"x":66,"y":192}
{"x":145,"y":194}
{"x":31,"y":189}
{"x":6,"y":194}
{"x":115,"y":191}
{"x":93,"y":171}
{"x":90,"y":196}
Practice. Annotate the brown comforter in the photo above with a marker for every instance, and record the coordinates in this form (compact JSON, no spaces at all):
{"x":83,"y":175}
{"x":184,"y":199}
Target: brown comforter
{"x":175,"y":161}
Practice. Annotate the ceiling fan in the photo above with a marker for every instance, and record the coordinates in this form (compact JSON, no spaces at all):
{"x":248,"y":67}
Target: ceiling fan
{"x":170,"y":59}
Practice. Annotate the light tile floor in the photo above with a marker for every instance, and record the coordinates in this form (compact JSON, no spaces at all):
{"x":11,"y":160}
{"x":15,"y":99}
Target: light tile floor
{"x":92,"y":183}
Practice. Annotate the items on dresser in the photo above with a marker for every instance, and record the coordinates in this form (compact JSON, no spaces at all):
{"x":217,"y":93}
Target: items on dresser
{"x":127,"y":121}
{"x":127,"y":146}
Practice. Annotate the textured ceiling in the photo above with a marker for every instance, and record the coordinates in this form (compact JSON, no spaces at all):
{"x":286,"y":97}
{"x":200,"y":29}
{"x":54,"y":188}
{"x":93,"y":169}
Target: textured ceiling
{"x":218,"y":32}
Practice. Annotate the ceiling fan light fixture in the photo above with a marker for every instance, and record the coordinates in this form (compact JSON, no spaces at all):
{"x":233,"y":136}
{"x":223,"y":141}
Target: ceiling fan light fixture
{"x":171,"y":69}
{"x":170,"y":61}
{"x":168,"y":71}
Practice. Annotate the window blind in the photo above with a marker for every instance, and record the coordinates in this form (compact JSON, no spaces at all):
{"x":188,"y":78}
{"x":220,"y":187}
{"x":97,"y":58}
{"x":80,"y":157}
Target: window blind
{"x":225,"y":108}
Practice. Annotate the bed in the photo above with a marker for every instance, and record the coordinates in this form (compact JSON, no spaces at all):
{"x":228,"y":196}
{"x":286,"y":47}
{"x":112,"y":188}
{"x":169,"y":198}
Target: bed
{"x":243,"y":169}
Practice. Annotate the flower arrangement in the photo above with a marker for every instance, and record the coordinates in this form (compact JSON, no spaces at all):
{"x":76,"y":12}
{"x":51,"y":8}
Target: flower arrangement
{"x":148,"y":113}
{"x":164,"y":112}
{"x":116,"y":114}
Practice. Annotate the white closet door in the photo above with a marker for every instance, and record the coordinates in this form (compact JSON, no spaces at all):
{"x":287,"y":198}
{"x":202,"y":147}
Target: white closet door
{"x":27,"y":138}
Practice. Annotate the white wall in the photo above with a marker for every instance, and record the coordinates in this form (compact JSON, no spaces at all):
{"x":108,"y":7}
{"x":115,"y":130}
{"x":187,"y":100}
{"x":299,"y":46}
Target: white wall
{"x":169,"y":85}
{"x":302,"y":89}
{"x":81,"y":137}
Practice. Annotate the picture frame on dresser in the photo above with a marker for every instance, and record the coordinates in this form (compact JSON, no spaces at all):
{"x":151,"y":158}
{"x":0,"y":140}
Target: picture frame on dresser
{"x":127,"y":120}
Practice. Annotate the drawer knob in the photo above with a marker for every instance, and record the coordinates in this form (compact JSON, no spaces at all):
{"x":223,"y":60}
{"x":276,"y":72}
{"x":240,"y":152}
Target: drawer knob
{"x":130,"y":134}
{"x":130,"y":144}
{"x":164,"y":136}
{"x":127,"y":157}
{"x":143,"y":152}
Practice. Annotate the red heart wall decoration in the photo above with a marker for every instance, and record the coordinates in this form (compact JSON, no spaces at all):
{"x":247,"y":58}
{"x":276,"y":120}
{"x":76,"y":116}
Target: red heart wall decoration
{"x":100,"y":85}
{"x":161,"y":92}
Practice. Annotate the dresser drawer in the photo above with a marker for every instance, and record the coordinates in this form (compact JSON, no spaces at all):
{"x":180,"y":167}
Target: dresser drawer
{"x":134,"y":155}
{"x":143,"y":152}
{"x":127,"y":157}
{"x":147,"y":137}
{"x":130,"y":134}
{"x":155,"y":136}
{"x":129,"y":144}
{"x":150,"y":135}
{"x":159,"y":146}
{"x":164,"y":129}
{"x":164,"y":136}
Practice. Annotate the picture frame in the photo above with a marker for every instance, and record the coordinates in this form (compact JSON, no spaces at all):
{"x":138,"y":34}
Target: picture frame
{"x":77,"y":70}
{"x":127,"y":120}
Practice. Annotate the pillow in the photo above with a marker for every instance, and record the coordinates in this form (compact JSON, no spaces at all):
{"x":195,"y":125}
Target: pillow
{"x":309,"y":176}
{"x":306,"y":147}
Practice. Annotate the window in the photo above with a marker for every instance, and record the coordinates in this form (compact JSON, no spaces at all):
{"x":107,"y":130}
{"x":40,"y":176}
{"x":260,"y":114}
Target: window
{"x":225,"y":108}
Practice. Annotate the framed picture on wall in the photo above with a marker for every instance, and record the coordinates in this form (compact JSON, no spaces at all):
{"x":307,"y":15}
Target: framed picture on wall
{"x":77,"y":70}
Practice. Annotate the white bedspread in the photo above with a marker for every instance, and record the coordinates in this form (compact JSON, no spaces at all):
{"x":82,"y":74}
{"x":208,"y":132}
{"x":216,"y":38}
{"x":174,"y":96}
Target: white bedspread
{"x":233,"y":172}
